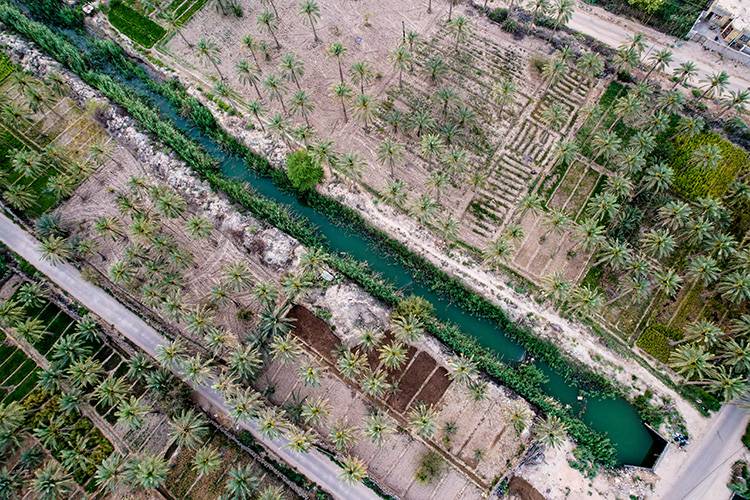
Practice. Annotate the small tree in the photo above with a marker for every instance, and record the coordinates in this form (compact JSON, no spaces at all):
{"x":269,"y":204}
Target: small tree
{"x":303,"y":172}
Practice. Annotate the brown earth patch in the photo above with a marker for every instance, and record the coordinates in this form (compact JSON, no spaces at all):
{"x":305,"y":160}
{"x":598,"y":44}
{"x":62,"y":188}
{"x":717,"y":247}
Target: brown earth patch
{"x":412,"y":381}
{"x":435,"y":387}
{"x":314,"y":332}
{"x":521,"y":488}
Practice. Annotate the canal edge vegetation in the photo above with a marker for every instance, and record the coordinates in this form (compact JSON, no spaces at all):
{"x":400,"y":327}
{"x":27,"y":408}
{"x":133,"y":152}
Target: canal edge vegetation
{"x":598,"y":446}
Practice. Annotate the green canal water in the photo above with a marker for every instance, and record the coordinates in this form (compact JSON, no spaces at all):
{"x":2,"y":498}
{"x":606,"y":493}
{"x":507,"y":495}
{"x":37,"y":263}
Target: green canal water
{"x":615,"y":417}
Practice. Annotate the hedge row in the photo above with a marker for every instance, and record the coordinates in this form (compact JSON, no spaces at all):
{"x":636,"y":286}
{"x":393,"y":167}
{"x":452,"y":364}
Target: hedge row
{"x":134,"y":25}
{"x":524,"y":381}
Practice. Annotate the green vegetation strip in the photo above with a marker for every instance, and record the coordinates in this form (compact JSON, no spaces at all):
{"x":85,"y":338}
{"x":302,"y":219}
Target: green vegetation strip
{"x":6,"y":67}
{"x":525,"y":380}
{"x":134,"y":25}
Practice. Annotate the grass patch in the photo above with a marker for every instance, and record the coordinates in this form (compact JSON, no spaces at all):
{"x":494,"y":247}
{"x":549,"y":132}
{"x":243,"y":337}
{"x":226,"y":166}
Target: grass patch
{"x":692,"y":181}
{"x":134,"y":25}
{"x":655,"y":340}
{"x":6,"y":67}
{"x":187,"y":10}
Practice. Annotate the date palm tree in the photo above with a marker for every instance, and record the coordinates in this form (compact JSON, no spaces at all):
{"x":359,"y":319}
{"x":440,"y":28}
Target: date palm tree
{"x":275,"y":86}
{"x":392,"y":355}
{"x":241,"y":483}
{"x":683,"y":73}
{"x":353,"y":470}
{"x":111,"y":391}
{"x":344,"y":93}
{"x":208,"y":51}
{"x":361,"y":73}
{"x":19,"y":196}
{"x":659,"y":243}
{"x":460,"y":29}
{"x":147,"y":471}
{"x":659,"y":62}
{"x":351,"y":166}
{"x":301,"y":441}
{"x":337,"y":50}
{"x":431,"y":147}
{"x":668,"y":281}
{"x":737,"y":100}
{"x":302,"y":104}
{"x":496,"y":253}
{"x":551,"y":431}
{"x":172,"y":18}
{"x":563,"y":11}
{"x":364,"y":109}
{"x":51,"y":482}
{"x":26,"y":163}
{"x":657,"y":179}
{"x":401,"y":59}
{"x":267,"y":20}
{"x":585,"y":301}
{"x":703,"y":269}
{"x":342,"y":435}
{"x":691,"y":361}
{"x":464,"y":369}
{"x":292,"y":68}
{"x":436,"y":69}
{"x":285,"y":347}
{"x":706,"y":156}
{"x":735,"y":287}
{"x":375,"y":383}
{"x":395,"y":193}
{"x":313,"y":411}
{"x":271,"y":423}
{"x":110,"y":473}
{"x":519,"y":416}
{"x":389,"y":154}
{"x":206,"y":460}
{"x":248,"y":74}
{"x":714,"y":85}
{"x":188,"y":429}
{"x":310,"y":11}
{"x":422,"y":419}
{"x":55,"y":249}
{"x":377,"y":428}
{"x":503,"y":94}
{"x":131,"y":412}
{"x":251,"y":44}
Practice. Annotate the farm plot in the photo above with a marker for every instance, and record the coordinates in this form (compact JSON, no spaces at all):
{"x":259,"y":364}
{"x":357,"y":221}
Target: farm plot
{"x":192,"y":282}
{"x":48,"y":145}
{"x":420,"y":380}
{"x":504,"y":148}
{"x":547,"y":247}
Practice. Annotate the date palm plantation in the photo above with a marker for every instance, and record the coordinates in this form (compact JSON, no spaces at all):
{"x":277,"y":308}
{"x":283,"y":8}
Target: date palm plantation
{"x":306,"y":248}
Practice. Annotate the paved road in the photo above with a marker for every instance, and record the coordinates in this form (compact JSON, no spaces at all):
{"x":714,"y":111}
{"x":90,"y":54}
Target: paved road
{"x":314,"y":465}
{"x":614,"y":31}
{"x":705,"y":470}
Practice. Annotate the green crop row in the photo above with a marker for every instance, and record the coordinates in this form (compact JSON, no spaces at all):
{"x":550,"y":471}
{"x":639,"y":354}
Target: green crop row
{"x":134,"y":25}
{"x":655,"y":340}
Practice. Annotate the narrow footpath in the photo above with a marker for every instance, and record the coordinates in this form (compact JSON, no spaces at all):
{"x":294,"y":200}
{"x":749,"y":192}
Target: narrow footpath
{"x":314,"y":465}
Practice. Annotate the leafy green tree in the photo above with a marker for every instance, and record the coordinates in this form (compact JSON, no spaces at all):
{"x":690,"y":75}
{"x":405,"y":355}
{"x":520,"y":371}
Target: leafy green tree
{"x":303,"y":172}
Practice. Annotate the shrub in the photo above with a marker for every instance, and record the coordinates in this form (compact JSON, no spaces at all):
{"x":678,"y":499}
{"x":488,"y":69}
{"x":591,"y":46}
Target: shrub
{"x":134,"y":25}
{"x":429,"y":467}
{"x":510,"y":25}
{"x":498,"y":15}
{"x":692,"y":181}
{"x":655,"y":341}
{"x":746,"y":437}
{"x":303,"y":171}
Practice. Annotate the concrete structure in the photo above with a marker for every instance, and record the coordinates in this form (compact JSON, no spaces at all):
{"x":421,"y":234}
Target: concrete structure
{"x":726,"y":22}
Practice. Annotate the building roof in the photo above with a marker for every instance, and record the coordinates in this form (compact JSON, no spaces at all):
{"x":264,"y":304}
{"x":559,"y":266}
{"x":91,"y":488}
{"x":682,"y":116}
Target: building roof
{"x":739,"y":10}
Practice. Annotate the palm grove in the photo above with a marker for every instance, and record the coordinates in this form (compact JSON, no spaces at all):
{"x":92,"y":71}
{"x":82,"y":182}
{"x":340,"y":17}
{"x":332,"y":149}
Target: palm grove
{"x":695,"y":242}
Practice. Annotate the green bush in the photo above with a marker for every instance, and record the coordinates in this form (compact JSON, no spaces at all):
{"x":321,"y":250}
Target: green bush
{"x":429,"y":468}
{"x":134,"y":25}
{"x":655,"y":341}
{"x":498,"y":15}
{"x":510,"y":26}
{"x":692,"y":181}
{"x":303,"y":171}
